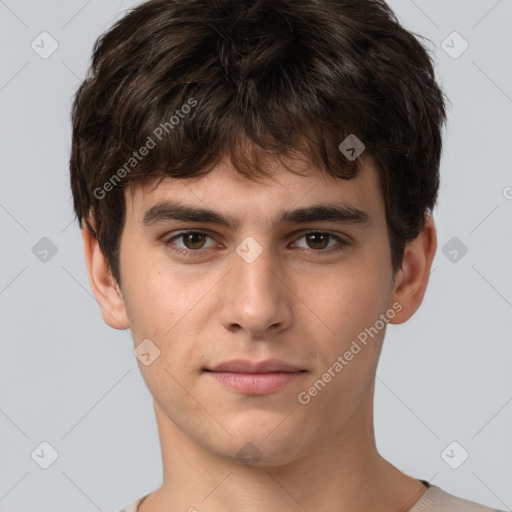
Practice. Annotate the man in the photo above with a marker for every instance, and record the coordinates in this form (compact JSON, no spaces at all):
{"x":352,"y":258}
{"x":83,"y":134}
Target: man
{"x":255,"y":184}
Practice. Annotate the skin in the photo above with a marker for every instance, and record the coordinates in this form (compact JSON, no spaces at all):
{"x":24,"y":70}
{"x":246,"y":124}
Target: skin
{"x":293,"y":302}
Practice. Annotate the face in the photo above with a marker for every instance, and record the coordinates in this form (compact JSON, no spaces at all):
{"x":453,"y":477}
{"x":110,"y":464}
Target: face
{"x":269,"y":327}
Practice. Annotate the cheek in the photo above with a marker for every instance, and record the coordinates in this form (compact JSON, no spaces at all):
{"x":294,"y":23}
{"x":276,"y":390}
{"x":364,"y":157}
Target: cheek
{"x":158,"y":296}
{"x":346,"y":300}
{"x":169,"y":307}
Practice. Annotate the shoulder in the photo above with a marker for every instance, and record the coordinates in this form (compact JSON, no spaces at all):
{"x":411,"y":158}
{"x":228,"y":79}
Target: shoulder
{"x":437,"y":500}
{"x":132,"y":507}
{"x":433,"y":500}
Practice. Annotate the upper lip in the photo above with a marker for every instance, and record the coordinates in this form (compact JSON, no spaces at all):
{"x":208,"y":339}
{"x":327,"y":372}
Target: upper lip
{"x":247,"y":366}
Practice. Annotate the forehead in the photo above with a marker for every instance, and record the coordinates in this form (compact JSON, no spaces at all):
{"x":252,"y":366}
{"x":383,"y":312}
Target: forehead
{"x":225,"y":190}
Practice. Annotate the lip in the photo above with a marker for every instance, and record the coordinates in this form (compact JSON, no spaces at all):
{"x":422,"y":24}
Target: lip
{"x":248,"y":366}
{"x":255,"y":377}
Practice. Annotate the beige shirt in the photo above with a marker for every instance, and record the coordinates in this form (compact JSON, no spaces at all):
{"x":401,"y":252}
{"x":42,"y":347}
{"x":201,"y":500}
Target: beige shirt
{"x":433,"y":500}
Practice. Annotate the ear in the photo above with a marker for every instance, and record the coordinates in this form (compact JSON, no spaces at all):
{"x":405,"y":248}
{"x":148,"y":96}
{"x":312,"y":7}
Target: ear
{"x":103,"y":285}
{"x":412,"y":278}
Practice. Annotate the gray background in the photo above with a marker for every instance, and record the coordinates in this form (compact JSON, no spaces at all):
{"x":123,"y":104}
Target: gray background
{"x":68,"y":379}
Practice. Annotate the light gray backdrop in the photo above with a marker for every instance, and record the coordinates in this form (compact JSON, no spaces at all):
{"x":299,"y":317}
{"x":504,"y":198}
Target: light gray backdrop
{"x":69,"y":380}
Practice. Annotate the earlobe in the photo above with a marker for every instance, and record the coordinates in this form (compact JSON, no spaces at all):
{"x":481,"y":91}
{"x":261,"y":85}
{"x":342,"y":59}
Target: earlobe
{"x":412,"y":278}
{"x":103,"y":285}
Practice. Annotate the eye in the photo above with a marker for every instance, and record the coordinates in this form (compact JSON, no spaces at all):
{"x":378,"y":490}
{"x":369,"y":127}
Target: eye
{"x":192,"y":241}
{"x":319,"y":240}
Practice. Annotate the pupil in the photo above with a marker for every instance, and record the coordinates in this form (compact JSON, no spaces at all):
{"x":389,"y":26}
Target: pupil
{"x":190,"y":240}
{"x":319,"y":239}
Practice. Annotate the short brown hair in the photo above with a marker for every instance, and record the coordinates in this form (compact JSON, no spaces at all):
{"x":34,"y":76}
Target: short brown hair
{"x":268,"y":77}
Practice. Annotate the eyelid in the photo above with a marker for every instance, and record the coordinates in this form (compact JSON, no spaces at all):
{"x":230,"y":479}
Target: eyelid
{"x":340,"y":240}
{"x":178,"y":234}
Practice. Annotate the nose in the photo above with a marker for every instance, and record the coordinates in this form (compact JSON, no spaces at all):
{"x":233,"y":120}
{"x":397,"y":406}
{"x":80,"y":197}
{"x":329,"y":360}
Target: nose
{"x":255,"y":297}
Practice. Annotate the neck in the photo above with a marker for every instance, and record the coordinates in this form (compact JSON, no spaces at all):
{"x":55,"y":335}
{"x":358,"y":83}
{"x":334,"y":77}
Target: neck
{"x":341,"y":472}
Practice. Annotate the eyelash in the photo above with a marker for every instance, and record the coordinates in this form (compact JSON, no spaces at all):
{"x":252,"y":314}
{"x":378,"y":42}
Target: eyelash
{"x":191,"y":253}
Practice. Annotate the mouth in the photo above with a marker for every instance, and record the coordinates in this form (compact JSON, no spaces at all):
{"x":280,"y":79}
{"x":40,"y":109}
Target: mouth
{"x":256,"y":377}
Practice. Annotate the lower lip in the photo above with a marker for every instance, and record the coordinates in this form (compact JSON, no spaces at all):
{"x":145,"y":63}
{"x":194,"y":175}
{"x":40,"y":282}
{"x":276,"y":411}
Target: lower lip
{"x":256,"y":383}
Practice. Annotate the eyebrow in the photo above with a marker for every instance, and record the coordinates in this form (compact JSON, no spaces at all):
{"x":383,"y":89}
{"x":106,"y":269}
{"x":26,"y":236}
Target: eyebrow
{"x":331,"y":212}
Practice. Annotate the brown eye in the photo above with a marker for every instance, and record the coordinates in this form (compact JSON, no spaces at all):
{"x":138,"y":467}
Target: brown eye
{"x":193,"y":240}
{"x":317,"y":240}
{"x":321,"y":242}
{"x":188,"y":241}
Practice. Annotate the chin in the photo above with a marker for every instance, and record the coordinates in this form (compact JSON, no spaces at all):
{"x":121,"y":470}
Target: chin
{"x":262,"y":447}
